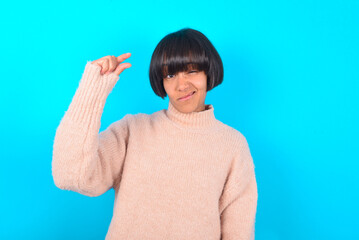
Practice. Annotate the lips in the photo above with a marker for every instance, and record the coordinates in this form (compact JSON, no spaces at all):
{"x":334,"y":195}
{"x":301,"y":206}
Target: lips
{"x":187,"y":95}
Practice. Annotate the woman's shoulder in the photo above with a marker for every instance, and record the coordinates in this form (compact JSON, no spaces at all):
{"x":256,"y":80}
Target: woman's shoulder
{"x":145,"y":117}
{"x":232,"y":133}
{"x":139,"y":119}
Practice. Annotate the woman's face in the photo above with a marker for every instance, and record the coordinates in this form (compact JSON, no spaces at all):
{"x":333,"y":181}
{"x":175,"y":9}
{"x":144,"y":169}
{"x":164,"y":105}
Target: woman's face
{"x":183,"y":84}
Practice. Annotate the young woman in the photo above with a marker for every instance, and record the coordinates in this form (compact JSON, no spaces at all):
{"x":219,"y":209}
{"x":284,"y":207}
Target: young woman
{"x":178,"y":173}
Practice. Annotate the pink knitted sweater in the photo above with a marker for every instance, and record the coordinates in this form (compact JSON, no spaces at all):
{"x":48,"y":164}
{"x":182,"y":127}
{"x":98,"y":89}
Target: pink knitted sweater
{"x":175,"y":175}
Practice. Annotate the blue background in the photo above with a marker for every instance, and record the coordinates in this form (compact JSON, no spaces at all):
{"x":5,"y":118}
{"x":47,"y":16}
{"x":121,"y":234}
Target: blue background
{"x":290,"y":86}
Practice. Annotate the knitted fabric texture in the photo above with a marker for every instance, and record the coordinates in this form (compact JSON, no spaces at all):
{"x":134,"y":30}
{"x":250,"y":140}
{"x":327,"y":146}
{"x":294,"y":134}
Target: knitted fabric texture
{"x":175,"y":175}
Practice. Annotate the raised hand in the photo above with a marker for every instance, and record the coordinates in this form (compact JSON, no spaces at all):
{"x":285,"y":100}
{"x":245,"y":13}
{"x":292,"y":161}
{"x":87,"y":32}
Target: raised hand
{"x":114,"y":64}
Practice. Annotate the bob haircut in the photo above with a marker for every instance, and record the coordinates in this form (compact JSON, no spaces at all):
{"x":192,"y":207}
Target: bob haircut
{"x":181,"y":50}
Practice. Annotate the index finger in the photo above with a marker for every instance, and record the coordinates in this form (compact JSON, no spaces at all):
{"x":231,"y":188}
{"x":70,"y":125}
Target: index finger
{"x":123,"y":57}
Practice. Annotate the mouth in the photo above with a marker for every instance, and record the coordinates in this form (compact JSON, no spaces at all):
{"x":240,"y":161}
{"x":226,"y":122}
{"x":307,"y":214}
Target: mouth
{"x":188,"y":96}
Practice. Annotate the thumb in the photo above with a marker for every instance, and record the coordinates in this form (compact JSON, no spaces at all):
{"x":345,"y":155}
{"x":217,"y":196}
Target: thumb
{"x":119,"y":69}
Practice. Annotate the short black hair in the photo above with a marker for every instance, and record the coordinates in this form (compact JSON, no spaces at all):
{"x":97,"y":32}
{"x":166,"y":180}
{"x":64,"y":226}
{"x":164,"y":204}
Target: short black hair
{"x":179,"y":50}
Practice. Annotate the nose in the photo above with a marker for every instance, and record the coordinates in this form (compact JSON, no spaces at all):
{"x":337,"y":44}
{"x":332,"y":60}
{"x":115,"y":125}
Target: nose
{"x":182,"y":82}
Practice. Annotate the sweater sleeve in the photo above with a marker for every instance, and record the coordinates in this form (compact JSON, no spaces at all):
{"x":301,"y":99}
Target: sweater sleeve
{"x":84,"y":160}
{"x":238,"y":203}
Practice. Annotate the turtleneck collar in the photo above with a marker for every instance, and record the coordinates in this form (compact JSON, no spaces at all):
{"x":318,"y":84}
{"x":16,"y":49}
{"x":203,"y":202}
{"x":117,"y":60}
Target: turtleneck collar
{"x":194,"y":120}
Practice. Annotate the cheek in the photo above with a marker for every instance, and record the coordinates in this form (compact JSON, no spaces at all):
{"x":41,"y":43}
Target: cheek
{"x":201,"y":84}
{"x":167,"y":88}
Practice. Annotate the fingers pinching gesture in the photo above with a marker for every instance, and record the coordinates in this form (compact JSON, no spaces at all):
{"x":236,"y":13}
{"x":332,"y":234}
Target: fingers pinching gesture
{"x":114,"y":64}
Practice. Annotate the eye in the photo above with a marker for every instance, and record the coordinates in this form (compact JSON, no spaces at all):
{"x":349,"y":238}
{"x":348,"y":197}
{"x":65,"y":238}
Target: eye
{"x":193,"y":71}
{"x":170,"y":76}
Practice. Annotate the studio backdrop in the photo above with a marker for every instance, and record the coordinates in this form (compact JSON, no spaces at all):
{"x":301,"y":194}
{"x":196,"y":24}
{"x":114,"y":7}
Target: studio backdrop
{"x":291,"y":71}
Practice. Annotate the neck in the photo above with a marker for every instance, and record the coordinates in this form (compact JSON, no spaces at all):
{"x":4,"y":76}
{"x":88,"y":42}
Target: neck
{"x":193,"y":120}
